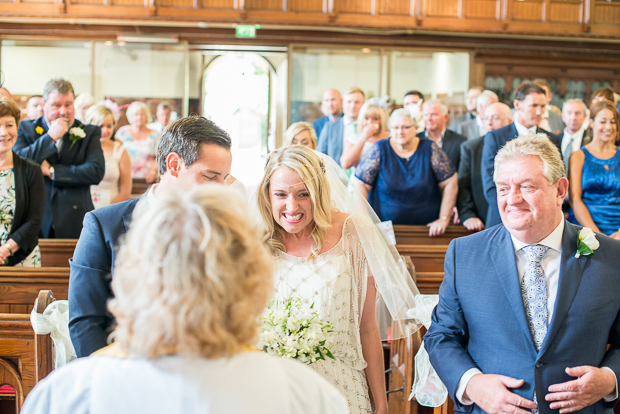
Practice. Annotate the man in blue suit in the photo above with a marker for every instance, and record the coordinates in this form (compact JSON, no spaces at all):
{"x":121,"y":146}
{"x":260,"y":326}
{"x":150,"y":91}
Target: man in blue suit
{"x":70,"y":156}
{"x":530,"y":103}
{"x":331,"y":107}
{"x":192,"y":151}
{"x":525,"y":314}
{"x":333,"y":135}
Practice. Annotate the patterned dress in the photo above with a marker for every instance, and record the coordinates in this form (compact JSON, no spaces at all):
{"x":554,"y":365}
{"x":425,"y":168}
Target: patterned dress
{"x":7,"y":210}
{"x":336,"y":283}
{"x":142,"y":152}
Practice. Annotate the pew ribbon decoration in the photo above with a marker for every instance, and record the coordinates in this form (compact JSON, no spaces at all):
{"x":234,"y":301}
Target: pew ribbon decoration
{"x":427,"y":389}
{"x":55,"y":321}
{"x":293,"y":329}
{"x":586,"y":242}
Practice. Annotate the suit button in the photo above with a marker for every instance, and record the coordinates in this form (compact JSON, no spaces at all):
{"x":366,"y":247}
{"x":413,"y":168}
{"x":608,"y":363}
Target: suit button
{"x":540,"y":364}
{"x":75,"y":207}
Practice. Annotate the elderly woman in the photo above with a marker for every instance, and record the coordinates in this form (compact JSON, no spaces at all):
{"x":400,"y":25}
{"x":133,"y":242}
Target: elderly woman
{"x":373,"y":121}
{"x":140,"y":142}
{"x":22,"y":196}
{"x":81,"y":104}
{"x":116,"y":184}
{"x":300,"y":133}
{"x":331,"y":259}
{"x":594,"y":172}
{"x":190,"y":282}
{"x":408,"y":180}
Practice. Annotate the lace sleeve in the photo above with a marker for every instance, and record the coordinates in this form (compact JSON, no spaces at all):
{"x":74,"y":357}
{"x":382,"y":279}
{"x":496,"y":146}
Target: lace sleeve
{"x":442,"y":166}
{"x":368,"y":167}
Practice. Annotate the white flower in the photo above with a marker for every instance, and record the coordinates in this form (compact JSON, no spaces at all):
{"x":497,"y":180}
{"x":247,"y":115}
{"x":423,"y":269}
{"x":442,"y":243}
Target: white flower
{"x":78,"y":132}
{"x":587,"y":236}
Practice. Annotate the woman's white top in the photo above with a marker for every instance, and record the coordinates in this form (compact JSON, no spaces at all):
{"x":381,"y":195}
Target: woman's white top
{"x":107,"y":190}
{"x":249,"y":382}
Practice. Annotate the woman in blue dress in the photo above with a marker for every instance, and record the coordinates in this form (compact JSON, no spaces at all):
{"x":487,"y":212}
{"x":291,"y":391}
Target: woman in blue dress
{"x":594,"y":173}
{"x":407,"y":179}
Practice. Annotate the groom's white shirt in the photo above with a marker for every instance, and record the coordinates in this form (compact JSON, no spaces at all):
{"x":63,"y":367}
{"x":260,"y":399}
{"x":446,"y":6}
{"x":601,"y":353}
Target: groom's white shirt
{"x":551,"y":263}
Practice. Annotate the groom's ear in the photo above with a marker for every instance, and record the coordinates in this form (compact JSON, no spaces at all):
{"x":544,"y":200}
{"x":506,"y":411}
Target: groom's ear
{"x":173,"y":164}
{"x":562,"y":188}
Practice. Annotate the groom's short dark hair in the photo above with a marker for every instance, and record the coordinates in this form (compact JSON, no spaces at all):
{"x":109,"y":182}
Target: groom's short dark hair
{"x":186,"y":137}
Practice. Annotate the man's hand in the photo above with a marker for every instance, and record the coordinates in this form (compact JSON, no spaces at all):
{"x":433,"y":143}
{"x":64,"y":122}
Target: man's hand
{"x":455,"y":217}
{"x":45,"y":168}
{"x":490,"y":393}
{"x":592,"y":385}
{"x":474,"y":224}
{"x":59,"y":127}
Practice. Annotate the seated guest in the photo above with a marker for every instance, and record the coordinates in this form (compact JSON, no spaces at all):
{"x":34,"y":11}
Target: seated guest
{"x":413,"y":101}
{"x":471,"y":203}
{"x":21,"y":196}
{"x":373,"y":124}
{"x":163,"y":117}
{"x":331,"y":106}
{"x":140,"y":142}
{"x":475,"y":128}
{"x":300,"y":133}
{"x":530,"y":103}
{"x":470,"y":104}
{"x":191,"y":281}
{"x":595,"y":173}
{"x":193,"y":151}
{"x":551,"y":120}
{"x":116,"y":184}
{"x":408,"y":179}
{"x":574,"y":136}
{"x":70,"y":157}
{"x":34,"y":107}
{"x":435,"y":120}
{"x":82,"y":102}
{"x":335,"y":134}
{"x":602,"y":94}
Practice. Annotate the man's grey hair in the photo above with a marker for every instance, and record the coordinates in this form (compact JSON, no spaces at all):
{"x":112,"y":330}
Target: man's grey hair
{"x":58,"y":85}
{"x":482,"y":101}
{"x":436,"y":102}
{"x":577,"y":101}
{"x":533,"y":144}
{"x":164,"y":106}
{"x":186,"y":137}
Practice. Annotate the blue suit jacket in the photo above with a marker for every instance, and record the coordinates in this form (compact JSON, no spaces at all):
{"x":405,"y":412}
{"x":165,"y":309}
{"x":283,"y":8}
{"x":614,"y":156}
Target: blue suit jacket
{"x":90,"y":322}
{"x":493,"y":141}
{"x":331,"y":139}
{"x":76,"y":168}
{"x":480,"y":321}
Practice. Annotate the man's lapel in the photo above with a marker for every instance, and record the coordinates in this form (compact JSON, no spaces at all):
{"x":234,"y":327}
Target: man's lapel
{"x":66,"y":144}
{"x":571,"y":270}
{"x":506,"y":269}
{"x":40,"y":123}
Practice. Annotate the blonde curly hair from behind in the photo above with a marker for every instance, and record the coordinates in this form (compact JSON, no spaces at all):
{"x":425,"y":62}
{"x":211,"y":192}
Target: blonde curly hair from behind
{"x":192,"y":277}
{"x":311,"y":169}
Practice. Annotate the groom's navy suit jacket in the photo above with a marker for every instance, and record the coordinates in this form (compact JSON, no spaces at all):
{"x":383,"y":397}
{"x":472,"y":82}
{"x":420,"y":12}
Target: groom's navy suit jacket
{"x":90,"y":323}
{"x":78,"y":166}
{"x":480,"y":321}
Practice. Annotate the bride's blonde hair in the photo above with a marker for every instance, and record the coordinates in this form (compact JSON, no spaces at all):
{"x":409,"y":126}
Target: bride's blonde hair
{"x":311,"y":169}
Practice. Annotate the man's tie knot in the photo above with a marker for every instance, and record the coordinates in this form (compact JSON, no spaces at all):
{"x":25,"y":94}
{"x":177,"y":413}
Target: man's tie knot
{"x":535,"y":253}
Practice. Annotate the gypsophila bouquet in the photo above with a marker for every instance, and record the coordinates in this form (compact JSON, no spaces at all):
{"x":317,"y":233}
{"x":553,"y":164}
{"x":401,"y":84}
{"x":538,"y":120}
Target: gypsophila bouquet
{"x":292,"y":329}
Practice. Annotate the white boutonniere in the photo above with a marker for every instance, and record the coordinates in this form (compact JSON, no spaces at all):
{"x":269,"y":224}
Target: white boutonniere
{"x":586,"y":242}
{"x":76,"y":134}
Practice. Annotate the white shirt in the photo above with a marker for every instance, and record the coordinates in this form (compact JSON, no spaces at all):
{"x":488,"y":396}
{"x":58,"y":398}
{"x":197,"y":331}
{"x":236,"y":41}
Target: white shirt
{"x":577,"y":138}
{"x":523,"y":130}
{"x":439,"y":141}
{"x":544,"y":123}
{"x":481,"y":128}
{"x":156,"y":126}
{"x":348,"y":131}
{"x":551,"y":263}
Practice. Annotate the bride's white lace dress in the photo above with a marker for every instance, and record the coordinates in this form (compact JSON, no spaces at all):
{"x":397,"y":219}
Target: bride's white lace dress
{"x":336,"y":283}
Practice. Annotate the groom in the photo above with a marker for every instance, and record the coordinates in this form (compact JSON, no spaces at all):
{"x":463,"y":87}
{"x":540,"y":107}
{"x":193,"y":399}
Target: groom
{"x":192,"y":151}
{"x":520,"y":319}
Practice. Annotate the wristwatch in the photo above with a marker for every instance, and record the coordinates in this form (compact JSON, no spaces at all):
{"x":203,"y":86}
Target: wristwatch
{"x":9,"y":248}
{"x":51,"y":173}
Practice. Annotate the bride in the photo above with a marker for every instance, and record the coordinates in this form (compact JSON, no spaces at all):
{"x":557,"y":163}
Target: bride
{"x":328,"y":252}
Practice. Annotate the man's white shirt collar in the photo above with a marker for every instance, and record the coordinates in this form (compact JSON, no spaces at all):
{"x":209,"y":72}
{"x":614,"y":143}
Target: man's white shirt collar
{"x":553,"y":241}
{"x":577,"y":139}
{"x":522,"y":130}
{"x":439,"y":141}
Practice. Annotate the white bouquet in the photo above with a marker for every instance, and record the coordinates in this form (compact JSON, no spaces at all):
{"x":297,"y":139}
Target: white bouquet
{"x":292,"y":329}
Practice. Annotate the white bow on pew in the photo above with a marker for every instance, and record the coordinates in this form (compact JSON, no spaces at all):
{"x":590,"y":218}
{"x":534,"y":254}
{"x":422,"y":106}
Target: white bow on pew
{"x":55,"y":321}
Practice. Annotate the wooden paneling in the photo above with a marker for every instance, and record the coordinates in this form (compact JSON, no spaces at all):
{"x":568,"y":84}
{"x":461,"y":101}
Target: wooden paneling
{"x":565,"y":11}
{"x":177,"y":3}
{"x":97,"y":2}
{"x":531,"y":10}
{"x":264,"y":4}
{"x":482,"y":9}
{"x":353,"y":6}
{"x":219,"y":4}
{"x":140,"y":3}
{"x":442,"y":8}
{"x":397,"y":7}
{"x":607,"y":13}
{"x":307,"y":5}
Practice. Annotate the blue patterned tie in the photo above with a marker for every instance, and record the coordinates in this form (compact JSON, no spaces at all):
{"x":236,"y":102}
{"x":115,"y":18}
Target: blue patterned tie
{"x":534,"y":295}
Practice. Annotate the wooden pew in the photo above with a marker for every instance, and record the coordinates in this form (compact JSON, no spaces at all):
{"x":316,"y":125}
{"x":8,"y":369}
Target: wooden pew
{"x":425,"y":258}
{"x":418,"y":235}
{"x":25,"y":358}
{"x":139,"y":186}
{"x":19,"y":287}
{"x":56,"y":252}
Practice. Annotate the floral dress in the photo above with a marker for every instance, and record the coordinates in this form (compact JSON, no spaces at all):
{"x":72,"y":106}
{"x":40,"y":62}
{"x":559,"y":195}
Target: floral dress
{"x":142,"y":152}
{"x":7,"y":210}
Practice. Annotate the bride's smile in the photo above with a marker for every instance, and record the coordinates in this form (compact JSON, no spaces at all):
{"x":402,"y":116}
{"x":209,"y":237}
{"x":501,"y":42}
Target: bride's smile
{"x":290,"y":201}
